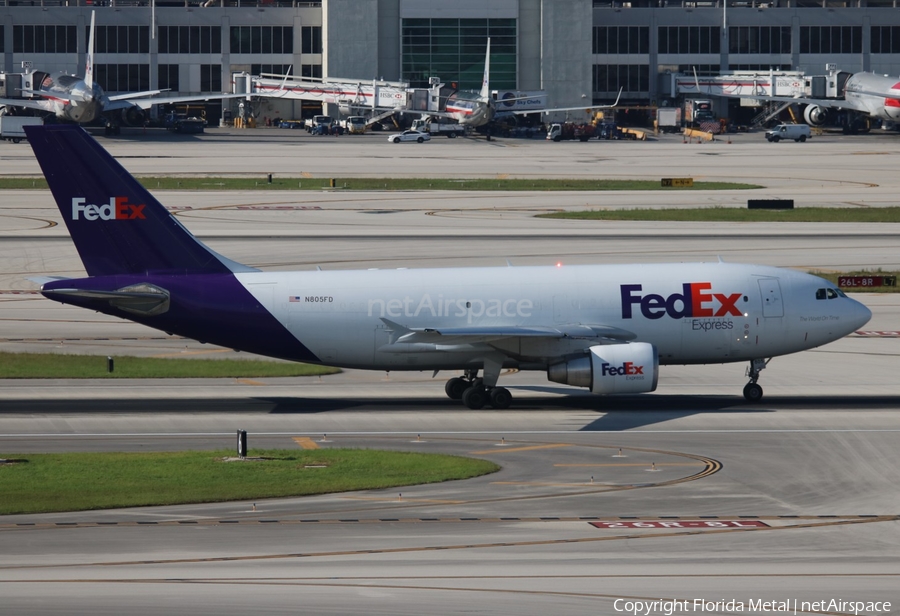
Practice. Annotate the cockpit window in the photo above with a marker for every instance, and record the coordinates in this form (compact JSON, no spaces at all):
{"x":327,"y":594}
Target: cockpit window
{"x":829,"y":293}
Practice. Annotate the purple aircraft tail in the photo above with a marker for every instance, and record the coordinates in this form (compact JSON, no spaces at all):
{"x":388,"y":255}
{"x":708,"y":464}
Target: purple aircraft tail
{"x":116,"y":224}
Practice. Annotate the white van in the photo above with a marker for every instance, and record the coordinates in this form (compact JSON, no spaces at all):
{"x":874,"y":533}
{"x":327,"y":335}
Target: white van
{"x":797,"y":132}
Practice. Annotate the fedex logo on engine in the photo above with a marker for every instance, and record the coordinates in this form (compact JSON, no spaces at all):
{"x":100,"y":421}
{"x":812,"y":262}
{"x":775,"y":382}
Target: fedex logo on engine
{"x":626,"y":369}
{"x":118,"y":208}
{"x":695,"y":300}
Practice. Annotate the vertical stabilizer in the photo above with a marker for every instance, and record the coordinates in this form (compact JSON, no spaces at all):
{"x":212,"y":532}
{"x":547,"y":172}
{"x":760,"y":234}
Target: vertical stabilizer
{"x":89,"y":63}
{"x":118,"y":227}
{"x":486,"y":80}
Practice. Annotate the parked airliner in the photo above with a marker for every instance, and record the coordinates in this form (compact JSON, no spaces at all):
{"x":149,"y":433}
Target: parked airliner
{"x":866,"y":95}
{"x":476,"y":109}
{"x":82,"y":100}
{"x":604,"y":327}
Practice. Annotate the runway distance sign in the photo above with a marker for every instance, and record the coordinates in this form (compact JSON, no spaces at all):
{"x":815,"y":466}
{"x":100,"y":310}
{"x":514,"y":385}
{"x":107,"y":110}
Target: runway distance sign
{"x":867,"y":281}
{"x":682,"y":524}
{"x":677,"y":182}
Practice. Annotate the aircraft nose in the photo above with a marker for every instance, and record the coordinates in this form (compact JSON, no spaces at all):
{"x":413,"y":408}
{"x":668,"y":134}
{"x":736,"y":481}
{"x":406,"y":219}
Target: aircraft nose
{"x":859,"y":315}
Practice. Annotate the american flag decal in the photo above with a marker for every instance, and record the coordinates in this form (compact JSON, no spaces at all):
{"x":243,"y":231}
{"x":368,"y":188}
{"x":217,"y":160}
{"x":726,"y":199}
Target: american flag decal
{"x":294,"y":298}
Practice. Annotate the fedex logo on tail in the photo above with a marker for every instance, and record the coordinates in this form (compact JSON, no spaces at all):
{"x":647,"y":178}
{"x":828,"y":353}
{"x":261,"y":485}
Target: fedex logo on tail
{"x":695,"y":300}
{"x":118,"y":208}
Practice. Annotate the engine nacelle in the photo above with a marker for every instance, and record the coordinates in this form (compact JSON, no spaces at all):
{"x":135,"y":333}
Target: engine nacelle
{"x":815,"y":115}
{"x":133,"y":116}
{"x":631,"y":368}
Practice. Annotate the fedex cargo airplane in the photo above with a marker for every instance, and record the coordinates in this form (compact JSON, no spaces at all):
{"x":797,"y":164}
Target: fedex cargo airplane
{"x":604,"y":327}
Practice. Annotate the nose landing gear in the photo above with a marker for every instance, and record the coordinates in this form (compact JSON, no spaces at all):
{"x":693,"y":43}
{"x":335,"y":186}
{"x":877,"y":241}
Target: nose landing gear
{"x":753,"y":392}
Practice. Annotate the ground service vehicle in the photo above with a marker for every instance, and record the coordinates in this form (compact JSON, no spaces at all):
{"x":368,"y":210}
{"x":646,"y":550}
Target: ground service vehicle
{"x":797,"y":132}
{"x":12,"y":128}
{"x":569,"y":130}
{"x":355,"y":125}
{"x":316,"y":121}
{"x":431,"y":127}
{"x":410,"y":135}
{"x":607,"y":328}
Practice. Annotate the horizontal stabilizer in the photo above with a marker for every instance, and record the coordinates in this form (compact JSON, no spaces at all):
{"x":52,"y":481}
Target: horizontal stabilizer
{"x":45,"y":279}
{"x":142,"y":299}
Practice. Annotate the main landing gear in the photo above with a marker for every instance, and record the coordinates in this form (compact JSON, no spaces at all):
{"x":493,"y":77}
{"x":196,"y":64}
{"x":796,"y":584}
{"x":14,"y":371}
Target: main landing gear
{"x":476,"y":393}
{"x":752,"y":391}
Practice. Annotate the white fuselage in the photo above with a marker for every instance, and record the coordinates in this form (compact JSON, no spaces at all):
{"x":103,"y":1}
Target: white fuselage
{"x":692,"y":313}
{"x":877,"y":95}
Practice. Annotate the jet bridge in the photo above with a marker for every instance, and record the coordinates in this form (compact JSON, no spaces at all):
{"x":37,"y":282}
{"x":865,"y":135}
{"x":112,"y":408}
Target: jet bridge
{"x":351,"y":96}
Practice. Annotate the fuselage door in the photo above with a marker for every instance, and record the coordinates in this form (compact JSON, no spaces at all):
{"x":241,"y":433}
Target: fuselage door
{"x":770,"y":290}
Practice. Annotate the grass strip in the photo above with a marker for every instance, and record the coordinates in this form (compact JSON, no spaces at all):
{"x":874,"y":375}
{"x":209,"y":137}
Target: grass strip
{"x":43,"y":483}
{"x":727,"y":214}
{"x":54,"y":366}
{"x":502,"y":184}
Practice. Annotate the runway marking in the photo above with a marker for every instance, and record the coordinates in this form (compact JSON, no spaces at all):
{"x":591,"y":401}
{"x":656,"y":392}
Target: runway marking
{"x":639,"y":464}
{"x":528,"y":448}
{"x":414,"y":500}
{"x":250,"y":382}
{"x":469,"y":546}
{"x":566,"y":485}
{"x":441,"y":520}
{"x":305,"y":442}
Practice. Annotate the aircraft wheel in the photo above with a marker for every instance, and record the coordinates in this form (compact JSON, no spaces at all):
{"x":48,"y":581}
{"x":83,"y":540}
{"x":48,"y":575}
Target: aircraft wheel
{"x":753,"y":392}
{"x":500,"y":398}
{"x":475,"y":398}
{"x":455,"y":388}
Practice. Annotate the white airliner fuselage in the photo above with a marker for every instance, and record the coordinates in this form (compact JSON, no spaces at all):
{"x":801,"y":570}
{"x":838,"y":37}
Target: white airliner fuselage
{"x":604,"y":327}
{"x":692,"y":313}
{"x":876,"y":95}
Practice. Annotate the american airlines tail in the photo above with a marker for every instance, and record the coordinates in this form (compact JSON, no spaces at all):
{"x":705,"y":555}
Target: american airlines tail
{"x":486,"y":80}
{"x":89,"y":63}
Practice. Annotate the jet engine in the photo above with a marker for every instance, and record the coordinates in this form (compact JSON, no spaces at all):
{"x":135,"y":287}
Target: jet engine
{"x":133,"y":116}
{"x":611,"y":369}
{"x":815,"y":115}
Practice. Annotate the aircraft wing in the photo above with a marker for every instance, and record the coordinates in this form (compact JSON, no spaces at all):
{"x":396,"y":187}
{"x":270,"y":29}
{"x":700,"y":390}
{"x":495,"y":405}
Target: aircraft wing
{"x":475,"y":335}
{"x":30,"y":103}
{"x":146,"y":103}
{"x":581,"y":108}
{"x":128,"y":95}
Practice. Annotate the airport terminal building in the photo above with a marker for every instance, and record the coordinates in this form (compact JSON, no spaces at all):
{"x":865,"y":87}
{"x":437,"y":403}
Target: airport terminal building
{"x":575,"y":50}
